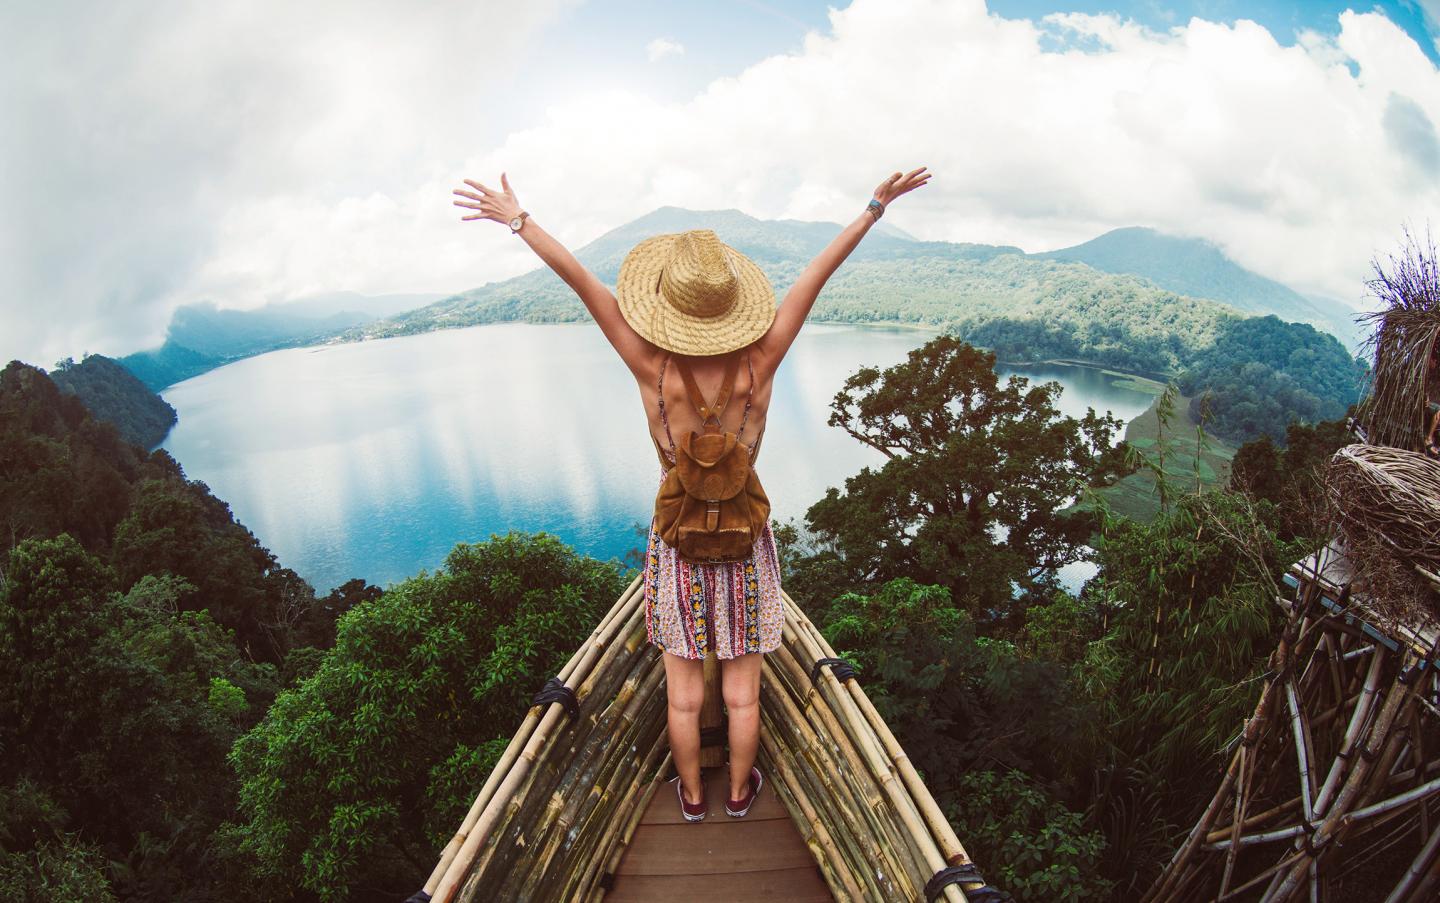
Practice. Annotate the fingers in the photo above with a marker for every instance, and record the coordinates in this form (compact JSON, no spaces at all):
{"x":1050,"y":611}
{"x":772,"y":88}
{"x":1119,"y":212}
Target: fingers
{"x":474,"y":184}
{"x":506,"y":182}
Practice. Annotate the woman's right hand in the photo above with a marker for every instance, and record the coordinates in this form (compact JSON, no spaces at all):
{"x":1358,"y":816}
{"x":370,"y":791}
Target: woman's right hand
{"x":500,"y":206}
{"x":898,"y":184}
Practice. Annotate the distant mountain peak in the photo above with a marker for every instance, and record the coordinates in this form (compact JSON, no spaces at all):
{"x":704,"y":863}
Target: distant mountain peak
{"x":1198,"y":267}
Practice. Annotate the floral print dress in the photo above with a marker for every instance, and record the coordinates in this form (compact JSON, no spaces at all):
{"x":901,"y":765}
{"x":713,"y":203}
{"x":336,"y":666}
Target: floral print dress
{"x":731,"y":608}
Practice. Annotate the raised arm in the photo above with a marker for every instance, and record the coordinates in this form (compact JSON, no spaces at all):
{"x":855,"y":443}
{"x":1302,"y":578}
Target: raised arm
{"x":795,"y":306}
{"x":502,"y":206}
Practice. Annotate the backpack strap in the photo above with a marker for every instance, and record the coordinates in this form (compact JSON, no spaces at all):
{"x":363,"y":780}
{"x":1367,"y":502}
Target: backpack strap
{"x":732,"y":367}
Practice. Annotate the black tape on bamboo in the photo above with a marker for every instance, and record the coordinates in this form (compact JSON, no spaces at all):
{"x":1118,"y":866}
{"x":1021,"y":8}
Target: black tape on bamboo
{"x":556,"y":691}
{"x":842,"y":669}
{"x":965,"y":873}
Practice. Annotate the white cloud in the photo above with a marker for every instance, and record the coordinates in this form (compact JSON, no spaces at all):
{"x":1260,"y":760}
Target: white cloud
{"x":661,"y":48}
{"x":248,"y":156}
{"x":148,"y":150}
{"x":1279,"y":154}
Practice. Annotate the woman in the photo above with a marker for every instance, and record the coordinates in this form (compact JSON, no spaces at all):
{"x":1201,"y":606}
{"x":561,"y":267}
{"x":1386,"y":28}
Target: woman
{"x":690,"y":297}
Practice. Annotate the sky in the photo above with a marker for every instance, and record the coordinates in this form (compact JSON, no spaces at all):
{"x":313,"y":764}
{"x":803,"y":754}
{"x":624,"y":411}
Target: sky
{"x":167,"y":153}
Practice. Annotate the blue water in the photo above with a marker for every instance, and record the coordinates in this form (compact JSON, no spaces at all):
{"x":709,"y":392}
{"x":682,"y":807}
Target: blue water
{"x":373,"y":459}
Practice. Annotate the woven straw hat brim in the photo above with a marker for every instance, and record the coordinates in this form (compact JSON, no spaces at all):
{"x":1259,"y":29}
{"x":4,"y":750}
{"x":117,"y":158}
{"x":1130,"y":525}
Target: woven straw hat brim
{"x":647,"y":311}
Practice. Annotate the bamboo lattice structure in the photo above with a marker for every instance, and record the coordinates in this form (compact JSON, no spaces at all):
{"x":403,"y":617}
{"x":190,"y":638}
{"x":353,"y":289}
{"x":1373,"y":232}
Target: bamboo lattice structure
{"x":554,"y":818}
{"x":1337,"y":770}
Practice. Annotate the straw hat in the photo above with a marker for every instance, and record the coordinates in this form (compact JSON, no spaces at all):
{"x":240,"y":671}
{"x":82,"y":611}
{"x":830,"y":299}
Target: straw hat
{"x":691,"y":293}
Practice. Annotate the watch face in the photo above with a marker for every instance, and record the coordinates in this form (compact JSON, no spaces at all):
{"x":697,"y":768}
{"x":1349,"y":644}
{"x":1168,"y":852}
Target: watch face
{"x":515,"y":223}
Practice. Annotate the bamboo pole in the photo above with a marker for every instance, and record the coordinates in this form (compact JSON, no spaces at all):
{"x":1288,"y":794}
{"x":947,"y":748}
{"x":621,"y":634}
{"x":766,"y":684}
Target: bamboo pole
{"x":920,"y":829}
{"x":1413,"y":876}
{"x":885,"y":773}
{"x":576,"y":665}
{"x":939,"y":825}
{"x":519,"y":764}
{"x":1353,"y":784}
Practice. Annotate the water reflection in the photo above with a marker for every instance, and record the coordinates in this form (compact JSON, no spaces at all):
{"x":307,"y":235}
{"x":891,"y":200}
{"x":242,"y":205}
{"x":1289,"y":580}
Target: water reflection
{"x":373,"y":459}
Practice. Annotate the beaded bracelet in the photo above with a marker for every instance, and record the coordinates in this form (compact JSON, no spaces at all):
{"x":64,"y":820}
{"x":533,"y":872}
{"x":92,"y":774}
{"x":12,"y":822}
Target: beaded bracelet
{"x":875,"y":208}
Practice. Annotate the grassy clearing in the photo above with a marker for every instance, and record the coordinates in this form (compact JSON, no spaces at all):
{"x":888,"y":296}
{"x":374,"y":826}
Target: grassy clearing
{"x":1135,"y":495}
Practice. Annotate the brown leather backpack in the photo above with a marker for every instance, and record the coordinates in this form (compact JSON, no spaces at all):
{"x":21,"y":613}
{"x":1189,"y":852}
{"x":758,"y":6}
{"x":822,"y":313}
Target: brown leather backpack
{"x":711,"y":507}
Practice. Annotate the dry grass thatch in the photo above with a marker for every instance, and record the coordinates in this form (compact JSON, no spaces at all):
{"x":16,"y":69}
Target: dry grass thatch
{"x":1387,"y":505}
{"x":1404,"y":333}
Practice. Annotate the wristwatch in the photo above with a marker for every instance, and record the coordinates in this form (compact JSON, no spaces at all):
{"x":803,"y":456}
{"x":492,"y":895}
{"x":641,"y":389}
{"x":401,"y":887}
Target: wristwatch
{"x":518,"y":221}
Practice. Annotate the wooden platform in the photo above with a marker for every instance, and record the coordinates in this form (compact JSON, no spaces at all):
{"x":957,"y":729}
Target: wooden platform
{"x":759,"y":857}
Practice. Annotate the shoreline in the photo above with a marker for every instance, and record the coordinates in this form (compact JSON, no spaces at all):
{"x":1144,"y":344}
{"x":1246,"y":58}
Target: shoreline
{"x":1142,"y":381}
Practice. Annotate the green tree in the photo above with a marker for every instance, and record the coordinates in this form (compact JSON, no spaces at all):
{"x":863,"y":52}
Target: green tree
{"x":956,"y":701}
{"x":1189,"y":601}
{"x":106,"y":701}
{"x":342,"y":779}
{"x":1026,"y":841}
{"x":975,"y":477}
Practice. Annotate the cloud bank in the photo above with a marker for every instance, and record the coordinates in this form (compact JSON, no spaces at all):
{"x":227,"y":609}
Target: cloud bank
{"x":246,"y":152}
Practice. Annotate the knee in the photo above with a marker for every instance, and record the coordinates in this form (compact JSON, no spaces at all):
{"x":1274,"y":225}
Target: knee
{"x":686,"y":700}
{"x":740,"y":697}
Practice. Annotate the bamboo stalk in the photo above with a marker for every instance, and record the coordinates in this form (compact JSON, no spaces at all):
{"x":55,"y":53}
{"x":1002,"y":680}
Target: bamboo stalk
{"x":1251,"y":821}
{"x":1302,"y":752}
{"x":929,"y":853}
{"x":1412,"y":878}
{"x":515,"y":772}
{"x":933,"y":858}
{"x":541,"y":772}
{"x":837,"y":872}
{"x":940,"y":829}
{"x":1352,"y":733}
{"x":1241,"y":793}
{"x":576,"y":665}
{"x":629,"y":824}
{"x":1354,"y":783}
{"x":836,"y":766}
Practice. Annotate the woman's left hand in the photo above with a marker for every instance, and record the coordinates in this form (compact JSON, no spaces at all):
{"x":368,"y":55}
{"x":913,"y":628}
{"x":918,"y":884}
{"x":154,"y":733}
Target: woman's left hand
{"x":501,"y":206}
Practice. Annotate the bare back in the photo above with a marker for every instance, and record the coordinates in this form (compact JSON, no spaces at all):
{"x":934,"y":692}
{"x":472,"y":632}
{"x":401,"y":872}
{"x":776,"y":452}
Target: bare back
{"x":709,"y":373}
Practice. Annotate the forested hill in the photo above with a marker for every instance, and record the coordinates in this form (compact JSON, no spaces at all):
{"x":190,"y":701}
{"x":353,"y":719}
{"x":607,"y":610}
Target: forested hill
{"x":113,"y":393}
{"x":201,"y":336}
{"x":1193,"y":266}
{"x":1024,"y":307}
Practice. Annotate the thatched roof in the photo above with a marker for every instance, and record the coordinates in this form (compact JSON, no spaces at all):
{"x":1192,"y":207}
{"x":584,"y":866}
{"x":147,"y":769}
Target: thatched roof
{"x":559,"y":811}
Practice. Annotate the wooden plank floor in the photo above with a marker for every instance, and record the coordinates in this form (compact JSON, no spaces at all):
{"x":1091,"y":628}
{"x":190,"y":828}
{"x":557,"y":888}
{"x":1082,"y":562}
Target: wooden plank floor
{"x":759,"y":857}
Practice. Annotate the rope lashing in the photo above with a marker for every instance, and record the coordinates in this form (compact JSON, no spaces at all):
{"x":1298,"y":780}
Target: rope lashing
{"x":556,"y":691}
{"x":965,"y":871}
{"x":419,"y":896}
{"x":842,"y":669}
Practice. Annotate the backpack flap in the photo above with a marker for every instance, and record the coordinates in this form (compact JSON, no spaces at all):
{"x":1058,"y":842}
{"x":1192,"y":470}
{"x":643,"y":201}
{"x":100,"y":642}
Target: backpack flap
{"x":712,"y":466}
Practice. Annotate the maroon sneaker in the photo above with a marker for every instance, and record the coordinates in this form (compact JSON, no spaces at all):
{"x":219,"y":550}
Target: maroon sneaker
{"x":740,"y":807}
{"x":691,"y":811}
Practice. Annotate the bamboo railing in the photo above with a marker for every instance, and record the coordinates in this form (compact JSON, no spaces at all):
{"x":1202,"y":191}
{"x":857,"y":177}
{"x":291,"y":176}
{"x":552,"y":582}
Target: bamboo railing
{"x":556,"y":815}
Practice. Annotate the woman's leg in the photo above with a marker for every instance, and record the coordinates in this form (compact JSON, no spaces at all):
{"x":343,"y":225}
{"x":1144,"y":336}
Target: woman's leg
{"x":684,"y":692}
{"x":740,"y":685}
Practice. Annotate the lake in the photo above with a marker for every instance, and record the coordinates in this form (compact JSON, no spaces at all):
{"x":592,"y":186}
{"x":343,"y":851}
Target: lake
{"x":373,"y":459}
